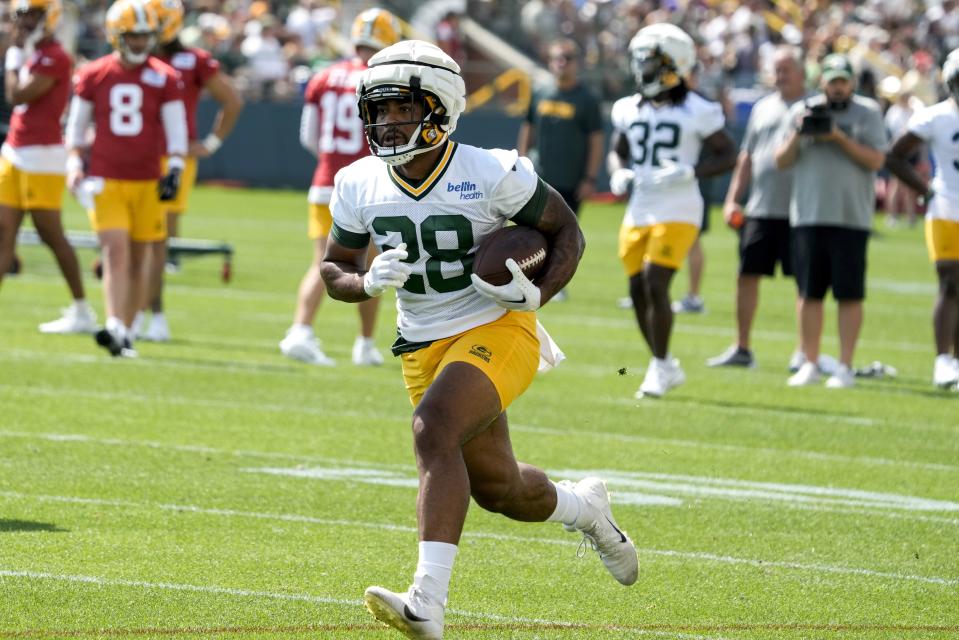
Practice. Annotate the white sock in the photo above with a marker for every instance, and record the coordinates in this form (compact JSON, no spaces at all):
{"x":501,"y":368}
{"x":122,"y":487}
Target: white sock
{"x":158,"y":317}
{"x":434,"y":568}
{"x":301,"y":328}
{"x":80,"y":303}
{"x":567,"y":505}
{"x":115,"y":326}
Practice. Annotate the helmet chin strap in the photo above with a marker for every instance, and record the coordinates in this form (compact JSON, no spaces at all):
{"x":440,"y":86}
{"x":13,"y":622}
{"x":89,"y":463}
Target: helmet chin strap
{"x":136,"y":58}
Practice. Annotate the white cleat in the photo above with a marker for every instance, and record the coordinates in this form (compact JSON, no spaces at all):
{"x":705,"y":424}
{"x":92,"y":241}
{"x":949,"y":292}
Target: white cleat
{"x":661,"y":376}
{"x":842,"y":378}
{"x":365,"y":353}
{"x":415,"y":613}
{"x":601,"y":532}
{"x":303,"y":346}
{"x":807,"y":374}
{"x":945,"y":372}
{"x":158,"y":331}
{"x":77,"y":318}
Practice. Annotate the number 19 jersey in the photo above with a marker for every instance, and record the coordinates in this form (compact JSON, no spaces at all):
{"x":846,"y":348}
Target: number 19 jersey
{"x":666,"y":132}
{"x":470,"y":193}
{"x":127,"y":107}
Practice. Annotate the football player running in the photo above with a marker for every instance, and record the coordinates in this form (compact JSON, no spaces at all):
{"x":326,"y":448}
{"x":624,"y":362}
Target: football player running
{"x":657,"y":137}
{"x":33,"y":163}
{"x":938,"y":125}
{"x":331,"y":129}
{"x":468,"y":348}
{"x":133,"y":100}
{"x":198,"y":71}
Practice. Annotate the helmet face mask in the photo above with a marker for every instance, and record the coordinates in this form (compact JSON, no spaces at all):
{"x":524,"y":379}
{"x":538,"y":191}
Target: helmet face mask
{"x":132,"y":17}
{"x":419,"y":73}
{"x":45,"y":13}
{"x":661,"y":56}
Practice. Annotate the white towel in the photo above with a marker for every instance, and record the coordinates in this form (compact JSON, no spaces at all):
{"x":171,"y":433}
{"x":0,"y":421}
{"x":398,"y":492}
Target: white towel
{"x":550,"y":355}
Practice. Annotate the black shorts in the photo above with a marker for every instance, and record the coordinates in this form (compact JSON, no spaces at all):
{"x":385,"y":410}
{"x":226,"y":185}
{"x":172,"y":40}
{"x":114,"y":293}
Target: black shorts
{"x":762,"y":243}
{"x":825,"y":257}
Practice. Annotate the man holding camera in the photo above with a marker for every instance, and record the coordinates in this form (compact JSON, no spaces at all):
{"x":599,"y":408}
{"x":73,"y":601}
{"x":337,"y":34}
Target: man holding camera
{"x":837,"y":145}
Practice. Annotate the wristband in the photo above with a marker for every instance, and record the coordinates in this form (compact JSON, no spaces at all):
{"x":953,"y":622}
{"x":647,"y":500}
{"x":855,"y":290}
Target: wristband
{"x":15,"y":58}
{"x":74,"y":164}
{"x":212,"y":142}
{"x":175,"y":162}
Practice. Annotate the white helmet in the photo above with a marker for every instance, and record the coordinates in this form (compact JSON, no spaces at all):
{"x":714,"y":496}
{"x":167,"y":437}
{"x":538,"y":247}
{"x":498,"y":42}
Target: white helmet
{"x":950,"y":74}
{"x":661,"y":56}
{"x":422,"y":73}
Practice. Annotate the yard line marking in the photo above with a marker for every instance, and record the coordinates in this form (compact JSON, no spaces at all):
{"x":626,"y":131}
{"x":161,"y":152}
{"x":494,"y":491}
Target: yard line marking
{"x":695,"y":444}
{"x":668,"y":553}
{"x":312,"y":599}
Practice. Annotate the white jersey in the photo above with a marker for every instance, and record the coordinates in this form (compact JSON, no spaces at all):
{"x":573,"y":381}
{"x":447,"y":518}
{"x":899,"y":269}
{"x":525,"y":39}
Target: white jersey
{"x":471,"y":193}
{"x":938,"y":125}
{"x":665,"y":132}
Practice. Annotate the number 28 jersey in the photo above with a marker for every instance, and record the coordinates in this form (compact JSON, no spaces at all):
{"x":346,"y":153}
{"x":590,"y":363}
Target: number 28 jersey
{"x":127,"y":107}
{"x":665,"y":132}
{"x":471,"y":193}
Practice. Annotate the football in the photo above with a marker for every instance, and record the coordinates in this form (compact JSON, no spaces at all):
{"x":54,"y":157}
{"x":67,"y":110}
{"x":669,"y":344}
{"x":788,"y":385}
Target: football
{"x":525,"y":245}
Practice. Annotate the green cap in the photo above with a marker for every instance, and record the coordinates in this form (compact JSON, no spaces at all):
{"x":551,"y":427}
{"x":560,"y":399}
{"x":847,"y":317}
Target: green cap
{"x":836,"y":66}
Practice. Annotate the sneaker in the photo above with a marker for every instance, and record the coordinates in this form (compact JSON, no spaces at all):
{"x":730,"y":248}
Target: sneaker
{"x":127,"y":351}
{"x":661,"y":376}
{"x":945,"y":372}
{"x":365,"y":353}
{"x":158,"y":331}
{"x":796,"y":360}
{"x":302,"y":345}
{"x":77,"y":318}
{"x":110,"y":341}
{"x":624,"y":303}
{"x":734,"y":356}
{"x":689,"y":304}
{"x":827,"y":364}
{"x":601,"y":532}
{"x":842,"y":378}
{"x":807,"y":374}
{"x":415,"y":614}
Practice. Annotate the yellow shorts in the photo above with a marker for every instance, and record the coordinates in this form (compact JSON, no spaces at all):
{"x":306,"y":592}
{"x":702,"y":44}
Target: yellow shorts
{"x":187,"y":179}
{"x":321,"y":221}
{"x":133,"y":205}
{"x":30,"y":191}
{"x":506,"y":350}
{"x":942,"y":239}
{"x":665,"y":244}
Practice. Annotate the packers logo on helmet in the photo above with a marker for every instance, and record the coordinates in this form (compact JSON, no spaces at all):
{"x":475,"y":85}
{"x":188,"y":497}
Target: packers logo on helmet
{"x":376,"y":29}
{"x":170,"y":14}
{"x":52,"y":10}
{"x":422,"y":74}
{"x":662,"y":56}
{"x":131,"y":17}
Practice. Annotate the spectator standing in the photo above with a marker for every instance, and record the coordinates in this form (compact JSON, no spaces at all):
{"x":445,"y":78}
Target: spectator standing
{"x":563,"y":128}
{"x":831,"y":211}
{"x":937,"y":126}
{"x":764,"y":237}
{"x":900,"y":198}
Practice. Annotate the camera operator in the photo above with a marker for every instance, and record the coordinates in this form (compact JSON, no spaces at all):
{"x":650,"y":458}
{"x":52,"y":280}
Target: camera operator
{"x":837,"y":145}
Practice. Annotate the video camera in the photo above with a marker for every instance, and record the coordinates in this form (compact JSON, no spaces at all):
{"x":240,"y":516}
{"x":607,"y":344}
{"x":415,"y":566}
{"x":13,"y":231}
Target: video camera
{"x":817,"y":121}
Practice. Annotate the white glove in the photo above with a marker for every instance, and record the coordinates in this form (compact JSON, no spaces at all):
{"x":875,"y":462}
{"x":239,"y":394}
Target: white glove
{"x":520,"y":294}
{"x":387,"y":270}
{"x":621,"y":181}
{"x":670,"y":174}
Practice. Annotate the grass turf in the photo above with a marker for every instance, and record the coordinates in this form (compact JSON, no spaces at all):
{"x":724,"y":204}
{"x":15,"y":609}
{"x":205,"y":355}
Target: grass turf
{"x":214,"y":488}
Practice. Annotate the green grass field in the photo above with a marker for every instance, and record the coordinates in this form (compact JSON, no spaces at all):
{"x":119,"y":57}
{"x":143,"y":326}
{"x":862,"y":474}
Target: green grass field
{"x":214,"y":488}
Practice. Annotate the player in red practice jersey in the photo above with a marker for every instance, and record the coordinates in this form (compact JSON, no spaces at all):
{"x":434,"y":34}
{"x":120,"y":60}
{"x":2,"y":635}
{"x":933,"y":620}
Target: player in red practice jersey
{"x":33,"y":160}
{"x":134,"y":101}
{"x":198,"y":70}
{"x":331,"y":129}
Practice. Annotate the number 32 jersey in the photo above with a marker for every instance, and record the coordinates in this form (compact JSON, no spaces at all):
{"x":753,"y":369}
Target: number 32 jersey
{"x":471,"y":193}
{"x":665,"y":132}
{"x":127,"y":105}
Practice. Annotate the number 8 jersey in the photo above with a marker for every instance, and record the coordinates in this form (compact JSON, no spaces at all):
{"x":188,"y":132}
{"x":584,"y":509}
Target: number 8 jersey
{"x":470,"y":193}
{"x":127,"y":115}
{"x":665,"y":132}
